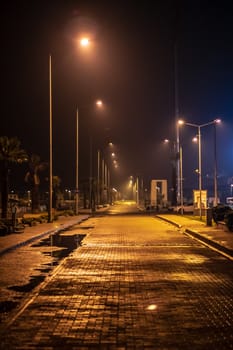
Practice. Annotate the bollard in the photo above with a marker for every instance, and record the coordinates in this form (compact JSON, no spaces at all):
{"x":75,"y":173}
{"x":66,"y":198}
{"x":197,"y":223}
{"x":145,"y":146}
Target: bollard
{"x":209,"y":216}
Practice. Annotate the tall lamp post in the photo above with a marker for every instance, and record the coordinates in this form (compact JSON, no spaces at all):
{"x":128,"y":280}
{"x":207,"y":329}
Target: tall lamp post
{"x":83,"y":42}
{"x":50,"y":215}
{"x":215,"y":164}
{"x":177,"y":155}
{"x":199,"y":126}
{"x":181,"y":180}
{"x":98,"y":178}
{"x":76,"y":182}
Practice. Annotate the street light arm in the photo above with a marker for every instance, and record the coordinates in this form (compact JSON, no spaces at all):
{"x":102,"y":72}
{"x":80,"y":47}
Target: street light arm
{"x":210,"y":123}
{"x":215,"y":121}
{"x":190,"y":124}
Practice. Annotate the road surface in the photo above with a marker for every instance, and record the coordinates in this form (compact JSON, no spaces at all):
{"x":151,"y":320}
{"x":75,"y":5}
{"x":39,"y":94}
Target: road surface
{"x":134,"y":283}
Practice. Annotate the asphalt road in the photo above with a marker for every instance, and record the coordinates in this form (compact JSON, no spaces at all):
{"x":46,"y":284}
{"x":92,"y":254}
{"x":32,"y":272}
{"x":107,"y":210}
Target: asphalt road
{"x":134,"y":283}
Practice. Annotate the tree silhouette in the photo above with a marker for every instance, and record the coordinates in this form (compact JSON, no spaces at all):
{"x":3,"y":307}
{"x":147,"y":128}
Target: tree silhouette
{"x":36,"y":166}
{"x":10,"y":152}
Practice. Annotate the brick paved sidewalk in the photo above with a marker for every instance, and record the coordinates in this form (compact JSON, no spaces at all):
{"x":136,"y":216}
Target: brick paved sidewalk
{"x":124,"y":290}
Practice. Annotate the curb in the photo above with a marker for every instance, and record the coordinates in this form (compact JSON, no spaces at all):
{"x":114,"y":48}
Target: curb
{"x":227,"y":252}
{"x":210,"y":243}
{"x":169,"y":221}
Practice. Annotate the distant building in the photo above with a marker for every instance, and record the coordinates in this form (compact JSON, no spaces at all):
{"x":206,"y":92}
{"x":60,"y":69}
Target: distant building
{"x":158,"y":192}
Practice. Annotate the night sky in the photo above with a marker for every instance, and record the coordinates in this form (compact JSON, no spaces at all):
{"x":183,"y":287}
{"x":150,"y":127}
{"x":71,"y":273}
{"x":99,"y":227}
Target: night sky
{"x":130,"y":67}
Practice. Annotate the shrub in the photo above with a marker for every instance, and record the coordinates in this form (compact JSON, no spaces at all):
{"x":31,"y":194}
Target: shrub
{"x":228,"y":219}
{"x":29,"y":221}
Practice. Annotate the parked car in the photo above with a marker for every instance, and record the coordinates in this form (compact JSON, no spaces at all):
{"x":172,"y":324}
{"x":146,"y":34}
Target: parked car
{"x":187,"y":208}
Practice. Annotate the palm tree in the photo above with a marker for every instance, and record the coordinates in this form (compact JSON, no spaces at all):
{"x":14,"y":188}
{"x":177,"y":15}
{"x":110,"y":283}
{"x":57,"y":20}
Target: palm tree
{"x":56,"y":190}
{"x":33,"y":179}
{"x":10,"y":152}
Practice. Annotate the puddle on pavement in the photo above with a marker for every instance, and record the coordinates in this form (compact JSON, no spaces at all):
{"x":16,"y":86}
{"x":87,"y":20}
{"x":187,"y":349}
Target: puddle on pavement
{"x":66,"y":242}
{"x":34,"y":281}
{"x":60,"y":245}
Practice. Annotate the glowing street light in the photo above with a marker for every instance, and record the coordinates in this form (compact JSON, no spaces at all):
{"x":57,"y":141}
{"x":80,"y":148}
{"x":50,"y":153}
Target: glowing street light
{"x":99,"y":103}
{"x":84,"y":42}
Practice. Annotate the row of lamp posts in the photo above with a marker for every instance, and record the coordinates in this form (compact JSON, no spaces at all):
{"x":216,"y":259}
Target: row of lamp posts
{"x":103,"y":174}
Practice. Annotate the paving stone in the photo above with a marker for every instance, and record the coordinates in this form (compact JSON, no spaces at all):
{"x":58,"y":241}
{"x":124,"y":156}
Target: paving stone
{"x":133,"y":284}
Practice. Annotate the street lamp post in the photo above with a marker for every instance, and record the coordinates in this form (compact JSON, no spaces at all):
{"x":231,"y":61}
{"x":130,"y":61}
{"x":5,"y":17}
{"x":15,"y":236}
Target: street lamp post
{"x":200,"y":170}
{"x":216,"y":121}
{"x":77,"y":165}
{"x":137,"y":191}
{"x":177,"y":155}
{"x":98,"y":178}
{"x":181,"y":180}
{"x":83,"y":42}
{"x":103,"y":179}
{"x":92,"y":191}
{"x":215,"y":165}
{"x":50,"y":215}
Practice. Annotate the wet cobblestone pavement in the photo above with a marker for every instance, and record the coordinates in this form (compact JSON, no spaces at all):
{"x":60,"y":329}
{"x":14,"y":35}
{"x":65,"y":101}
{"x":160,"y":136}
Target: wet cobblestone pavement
{"x":27,"y":258}
{"x":135,"y":283}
